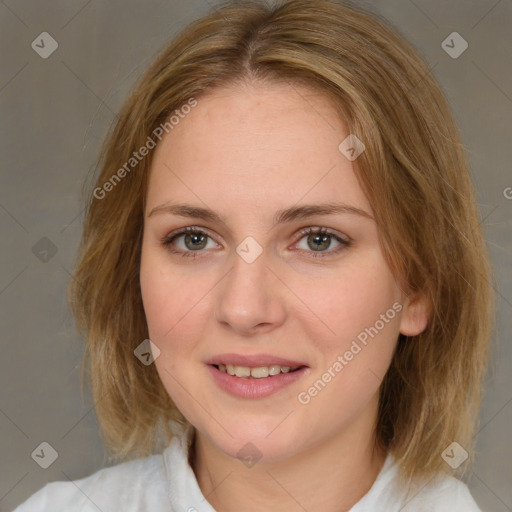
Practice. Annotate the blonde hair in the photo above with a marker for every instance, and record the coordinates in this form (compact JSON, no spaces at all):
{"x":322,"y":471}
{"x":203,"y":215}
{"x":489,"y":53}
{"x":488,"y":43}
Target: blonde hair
{"x":413,"y":170}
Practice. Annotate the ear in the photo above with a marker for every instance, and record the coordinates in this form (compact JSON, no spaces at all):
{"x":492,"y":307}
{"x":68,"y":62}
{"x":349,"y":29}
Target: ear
{"x":415,"y":316}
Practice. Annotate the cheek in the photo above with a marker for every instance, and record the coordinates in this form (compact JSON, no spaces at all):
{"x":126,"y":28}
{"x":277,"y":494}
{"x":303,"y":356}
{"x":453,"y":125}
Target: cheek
{"x":344,"y":304}
{"x":176,"y":303}
{"x":175,"y":307}
{"x":165,"y":295}
{"x":158,"y":300}
{"x":354,"y":331}
{"x":354,"y":335}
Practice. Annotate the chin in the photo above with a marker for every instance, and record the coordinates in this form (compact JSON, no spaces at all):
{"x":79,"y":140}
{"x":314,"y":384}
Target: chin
{"x":252,"y":443}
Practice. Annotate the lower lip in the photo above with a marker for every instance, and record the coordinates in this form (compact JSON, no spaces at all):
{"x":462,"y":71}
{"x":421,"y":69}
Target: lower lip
{"x":254,"y":388}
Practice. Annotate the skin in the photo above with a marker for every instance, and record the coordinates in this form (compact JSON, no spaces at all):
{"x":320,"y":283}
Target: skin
{"x":245,"y":152}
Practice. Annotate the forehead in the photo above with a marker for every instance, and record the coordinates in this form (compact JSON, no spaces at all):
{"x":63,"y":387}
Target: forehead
{"x":256,"y":145}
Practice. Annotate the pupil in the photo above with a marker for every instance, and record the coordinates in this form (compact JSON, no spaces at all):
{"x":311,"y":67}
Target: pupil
{"x":195,"y":238}
{"x":318,"y":239}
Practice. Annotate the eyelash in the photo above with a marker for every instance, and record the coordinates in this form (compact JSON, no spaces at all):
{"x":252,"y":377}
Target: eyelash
{"x":169,"y":239}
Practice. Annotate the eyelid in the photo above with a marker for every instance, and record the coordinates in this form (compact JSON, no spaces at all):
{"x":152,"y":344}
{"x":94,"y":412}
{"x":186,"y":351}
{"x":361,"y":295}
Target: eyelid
{"x":168,"y":239}
{"x":322,"y":230}
{"x":344,"y":240}
{"x":302,"y":231}
{"x":185,"y":230}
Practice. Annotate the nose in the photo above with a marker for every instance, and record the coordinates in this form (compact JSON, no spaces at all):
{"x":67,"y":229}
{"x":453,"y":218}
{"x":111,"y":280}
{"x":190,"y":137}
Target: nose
{"x":251,"y":298}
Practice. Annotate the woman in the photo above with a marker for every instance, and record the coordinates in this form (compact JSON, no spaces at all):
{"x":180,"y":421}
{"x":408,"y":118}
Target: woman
{"x":283,"y":281}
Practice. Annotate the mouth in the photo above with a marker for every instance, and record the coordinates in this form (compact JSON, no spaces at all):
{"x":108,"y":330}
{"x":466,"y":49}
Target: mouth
{"x":256,"y":372}
{"x":255,"y":376}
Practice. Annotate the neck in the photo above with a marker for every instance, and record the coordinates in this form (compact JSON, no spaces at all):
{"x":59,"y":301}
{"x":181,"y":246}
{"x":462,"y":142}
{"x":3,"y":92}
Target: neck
{"x":343,"y":467}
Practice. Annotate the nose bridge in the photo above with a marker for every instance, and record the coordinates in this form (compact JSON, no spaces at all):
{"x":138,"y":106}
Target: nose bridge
{"x":248,"y":297}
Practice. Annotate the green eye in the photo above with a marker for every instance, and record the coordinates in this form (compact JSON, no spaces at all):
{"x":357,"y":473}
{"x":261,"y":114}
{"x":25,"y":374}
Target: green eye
{"x":319,"y":240}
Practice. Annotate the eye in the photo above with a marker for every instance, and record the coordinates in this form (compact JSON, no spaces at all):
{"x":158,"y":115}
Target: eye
{"x":319,"y":239}
{"x":194,"y":240}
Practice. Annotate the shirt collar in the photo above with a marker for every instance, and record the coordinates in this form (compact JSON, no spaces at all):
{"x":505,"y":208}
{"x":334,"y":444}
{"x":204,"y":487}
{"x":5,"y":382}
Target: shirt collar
{"x":185,"y":494}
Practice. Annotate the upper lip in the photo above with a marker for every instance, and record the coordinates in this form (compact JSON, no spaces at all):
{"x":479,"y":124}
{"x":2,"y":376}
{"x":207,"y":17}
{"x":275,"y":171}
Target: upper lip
{"x":253,"y":360}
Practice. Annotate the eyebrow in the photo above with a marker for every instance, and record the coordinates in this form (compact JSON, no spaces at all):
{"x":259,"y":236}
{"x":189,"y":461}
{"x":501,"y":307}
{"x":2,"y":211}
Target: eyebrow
{"x":281,"y":216}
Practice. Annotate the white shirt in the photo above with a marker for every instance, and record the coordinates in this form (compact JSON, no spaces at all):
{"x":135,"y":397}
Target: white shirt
{"x":166,"y":482}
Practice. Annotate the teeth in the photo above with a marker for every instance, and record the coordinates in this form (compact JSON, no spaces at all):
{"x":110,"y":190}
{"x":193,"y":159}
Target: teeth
{"x":274,"y":370}
{"x":242,"y":371}
{"x":258,"y":372}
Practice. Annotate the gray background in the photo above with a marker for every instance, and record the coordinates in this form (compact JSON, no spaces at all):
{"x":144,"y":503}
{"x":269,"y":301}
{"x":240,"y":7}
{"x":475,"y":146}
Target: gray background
{"x":55,"y":113}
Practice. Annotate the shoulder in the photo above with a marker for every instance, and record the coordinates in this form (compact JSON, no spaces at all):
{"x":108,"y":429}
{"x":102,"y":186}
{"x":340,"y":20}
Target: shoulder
{"x":441,"y":494}
{"x":131,"y":485}
{"x":447,"y":494}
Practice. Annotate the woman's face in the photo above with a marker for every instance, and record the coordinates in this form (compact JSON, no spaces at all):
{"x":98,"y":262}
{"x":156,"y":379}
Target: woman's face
{"x":255,"y":290}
